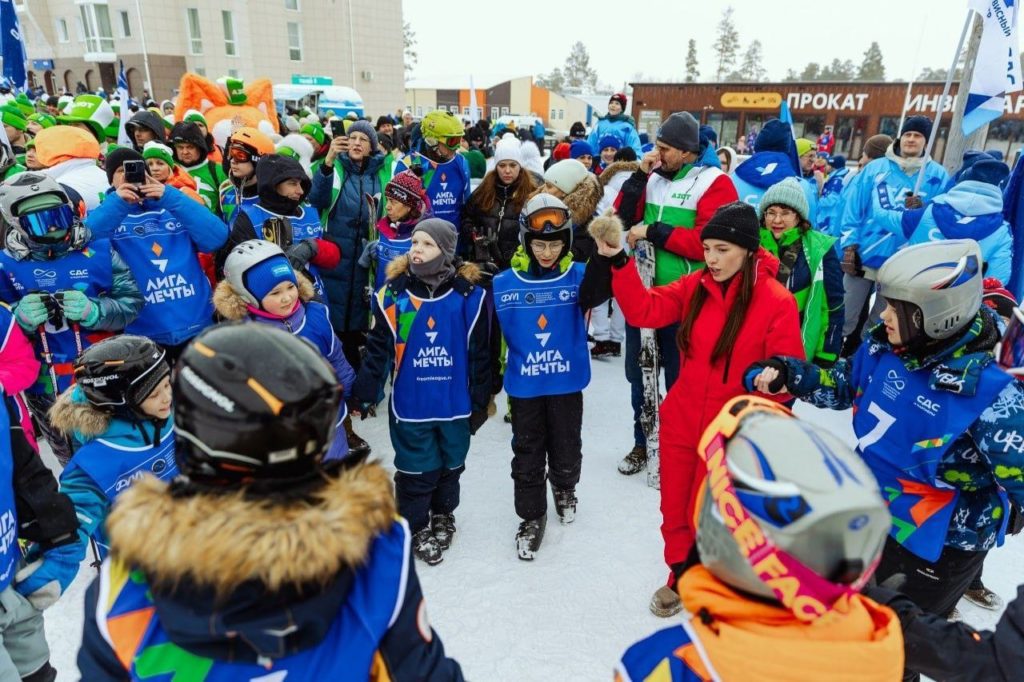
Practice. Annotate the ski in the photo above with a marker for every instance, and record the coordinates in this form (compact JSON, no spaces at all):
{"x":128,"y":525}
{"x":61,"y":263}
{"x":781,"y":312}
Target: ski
{"x":649,"y":420}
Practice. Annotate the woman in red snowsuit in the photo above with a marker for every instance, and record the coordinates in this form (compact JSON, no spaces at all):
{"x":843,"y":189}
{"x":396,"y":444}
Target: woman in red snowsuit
{"x":734,"y":312}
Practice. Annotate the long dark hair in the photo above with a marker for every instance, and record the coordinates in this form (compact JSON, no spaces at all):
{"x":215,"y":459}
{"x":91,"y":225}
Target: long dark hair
{"x":734,"y":317}
{"x":486,"y":195}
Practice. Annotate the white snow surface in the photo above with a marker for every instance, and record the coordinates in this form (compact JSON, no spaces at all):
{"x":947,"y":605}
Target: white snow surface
{"x":570,"y":613}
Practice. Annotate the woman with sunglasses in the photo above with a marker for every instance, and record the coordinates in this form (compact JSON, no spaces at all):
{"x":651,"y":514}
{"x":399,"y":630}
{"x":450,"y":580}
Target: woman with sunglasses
{"x":446,"y":174}
{"x":730,"y":314}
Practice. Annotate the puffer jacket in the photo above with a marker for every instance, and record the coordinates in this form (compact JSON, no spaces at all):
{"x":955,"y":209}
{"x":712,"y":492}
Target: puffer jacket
{"x":499,"y":226}
{"x":622,"y":126}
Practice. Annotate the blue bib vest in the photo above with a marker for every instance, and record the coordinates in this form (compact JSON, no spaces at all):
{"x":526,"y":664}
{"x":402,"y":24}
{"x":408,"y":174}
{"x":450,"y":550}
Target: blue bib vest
{"x":115,"y":467}
{"x":545,"y":332}
{"x":305,"y":226}
{"x":387,"y":251}
{"x":127,"y":614}
{"x":231,"y":199}
{"x":431,"y":381}
{"x":10,"y":553}
{"x":445,"y":184}
{"x":89,"y":271}
{"x":903,"y":429}
{"x":164,"y":260}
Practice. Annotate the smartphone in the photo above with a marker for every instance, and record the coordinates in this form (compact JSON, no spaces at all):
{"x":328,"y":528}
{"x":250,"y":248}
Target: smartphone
{"x":337,"y":128}
{"x":135,"y":172}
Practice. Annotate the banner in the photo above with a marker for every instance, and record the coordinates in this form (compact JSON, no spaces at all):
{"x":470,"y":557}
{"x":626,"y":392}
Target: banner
{"x":997,"y":69}
{"x":12,"y":47}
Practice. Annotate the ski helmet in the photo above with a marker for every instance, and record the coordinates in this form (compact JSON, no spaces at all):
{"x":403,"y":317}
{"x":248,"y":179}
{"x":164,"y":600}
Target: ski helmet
{"x":439,"y":126}
{"x":120,"y":372}
{"x":547,"y":218}
{"x":783,"y":494}
{"x":254,"y":406}
{"x":252,"y":141}
{"x":39,"y":216}
{"x":243,"y":258}
{"x":938,"y":285}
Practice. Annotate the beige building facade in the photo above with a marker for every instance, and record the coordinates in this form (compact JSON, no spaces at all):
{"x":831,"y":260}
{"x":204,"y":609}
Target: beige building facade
{"x":355,"y":43}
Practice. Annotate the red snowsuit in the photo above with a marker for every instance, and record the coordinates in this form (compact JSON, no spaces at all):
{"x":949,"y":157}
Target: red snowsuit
{"x":771,"y":327}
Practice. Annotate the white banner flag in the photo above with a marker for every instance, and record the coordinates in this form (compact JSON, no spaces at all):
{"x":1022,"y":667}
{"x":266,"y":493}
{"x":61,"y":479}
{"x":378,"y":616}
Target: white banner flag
{"x":997,"y":70}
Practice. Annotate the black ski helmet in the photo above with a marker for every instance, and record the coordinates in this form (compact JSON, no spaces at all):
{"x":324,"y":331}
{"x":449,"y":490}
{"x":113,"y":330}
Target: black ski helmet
{"x":254,"y":406}
{"x":119,"y":373}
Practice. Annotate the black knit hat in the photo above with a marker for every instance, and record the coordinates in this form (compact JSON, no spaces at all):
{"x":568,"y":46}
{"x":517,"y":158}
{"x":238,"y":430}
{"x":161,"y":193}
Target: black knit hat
{"x":735,"y":223}
{"x":116,"y":158}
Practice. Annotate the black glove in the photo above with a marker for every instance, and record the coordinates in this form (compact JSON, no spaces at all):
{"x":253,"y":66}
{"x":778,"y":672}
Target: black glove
{"x":299,"y":254}
{"x":476,"y":420}
{"x":851,"y":264}
{"x":357,"y":406}
{"x":755,"y":368}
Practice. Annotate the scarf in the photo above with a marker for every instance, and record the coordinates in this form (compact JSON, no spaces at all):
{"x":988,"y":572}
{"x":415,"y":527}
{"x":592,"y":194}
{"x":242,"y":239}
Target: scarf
{"x":910,"y":166}
{"x":433,"y":272}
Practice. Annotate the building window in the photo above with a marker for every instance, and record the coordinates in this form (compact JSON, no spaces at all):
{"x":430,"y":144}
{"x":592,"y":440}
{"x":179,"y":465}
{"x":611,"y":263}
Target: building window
{"x":504,"y":111}
{"x":294,"y":41}
{"x":889,"y":125}
{"x":62,"y":31}
{"x":494,"y":113}
{"x":200,"y":71}
{"x":561,"y":114}
{"x":554,"y":114}
{"x":233,"y":73}
{"x":465,"y":111}
{"x":126,"y":27}
{"x":195,"y":35}
{"x":80,"y":29}
{"x":229,"y":34}
{"x":291,"y":4}
{"x":419,"y":111}
{"x":99,"y":37}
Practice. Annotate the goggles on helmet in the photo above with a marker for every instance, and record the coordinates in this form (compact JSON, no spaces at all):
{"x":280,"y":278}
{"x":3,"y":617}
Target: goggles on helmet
{"x":450,"y":142}
{"x":48,"y":222}
{"x":241,"y":154}
{"x":807,"y":594}
{"x":1010,"y":349}
{"x":546,"y":219}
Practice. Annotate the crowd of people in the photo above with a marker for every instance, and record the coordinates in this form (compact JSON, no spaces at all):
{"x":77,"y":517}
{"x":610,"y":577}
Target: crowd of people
{"x":191,"y":324}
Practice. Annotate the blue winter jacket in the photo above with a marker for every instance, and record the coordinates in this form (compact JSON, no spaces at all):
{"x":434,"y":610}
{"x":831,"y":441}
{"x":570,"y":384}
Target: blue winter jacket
{"x":970,"y":210}
{"x":348,"y":226}
{"x":985,"y":459}
{"x":160,"y":240}
{"x":621,"y":126}
{"x":754,"y":176}
{"x":880,"y":188}
{"x":830,"y":204}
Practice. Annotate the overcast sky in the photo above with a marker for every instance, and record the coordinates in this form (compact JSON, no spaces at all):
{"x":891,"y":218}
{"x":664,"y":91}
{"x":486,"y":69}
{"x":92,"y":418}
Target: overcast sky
{"x":523,"y":37}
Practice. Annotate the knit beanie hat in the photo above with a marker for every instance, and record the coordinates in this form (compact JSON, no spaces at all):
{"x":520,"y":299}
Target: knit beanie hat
{"x":508,"y":150}
{"x":607,"y":141}
{"x":736,"y":223}
{"x":444,"y":235}
{"x":837,"y":162}
{"x":566,"y":175}
{"x":365,"y":128}
{"x":774,"y":137}
{"x":116,"y":159}
{"x":407,"y":188}
{"x":917,"y":124}
{"x":561,"y":151}
{"x":620,"y":98}
{"x":987,"y":170}
{"x":12,"y":116}
{"x":997,"y":297}
{"x":580,"y":148}
{"x":194,"y":116}
{"x":577,"y":130}
{"x":708,"y":135}
{"x":876,"y":145}
{"x":681,"y":131}
{"x":788,"y":193}
{"x":44,"y":120}
{"x":260,"y":279}
{"x":157,"y":150}
{"x":314,"y":130}
{"x":803,"y":145}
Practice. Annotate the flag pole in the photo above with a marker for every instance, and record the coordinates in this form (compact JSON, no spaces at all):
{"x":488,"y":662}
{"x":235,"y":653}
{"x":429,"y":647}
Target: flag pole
{"x":913,"y":70}
{"x":942,"y":100}
{"x":145,"y":54}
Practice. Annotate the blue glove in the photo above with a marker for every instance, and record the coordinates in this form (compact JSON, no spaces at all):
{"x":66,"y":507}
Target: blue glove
{"x":42,"y":579}
{"x":79,"y":308}
{"x":31,"y":312}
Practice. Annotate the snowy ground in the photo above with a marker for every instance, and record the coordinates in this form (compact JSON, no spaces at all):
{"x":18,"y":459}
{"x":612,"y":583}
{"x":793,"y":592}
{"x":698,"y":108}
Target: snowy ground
{"x":569,"y":614}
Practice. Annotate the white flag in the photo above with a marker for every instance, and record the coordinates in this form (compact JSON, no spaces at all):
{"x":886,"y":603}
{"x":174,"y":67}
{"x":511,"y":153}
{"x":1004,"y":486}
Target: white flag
{"x":997,"y":70}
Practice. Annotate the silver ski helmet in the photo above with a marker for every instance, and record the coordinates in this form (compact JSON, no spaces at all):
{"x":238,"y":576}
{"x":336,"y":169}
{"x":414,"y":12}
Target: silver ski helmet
{"x":39,"y":216}
{"x":547,"y":218}
{"x":942,"y":283}
{"x":242,"y":259}
{"x":789,"y":512}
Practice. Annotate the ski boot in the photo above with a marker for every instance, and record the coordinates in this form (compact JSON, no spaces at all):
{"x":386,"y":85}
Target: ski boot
{"x":357,"y":447}
{"x":984,"y":597}
{"x":529,"y":537}
{"x":442,"y":526}
{"x":565,"y":504}
{"x":634,"y":462}
{"x":426,"y":547}
{"x":602,"y":349}
{"x":665,"y":602}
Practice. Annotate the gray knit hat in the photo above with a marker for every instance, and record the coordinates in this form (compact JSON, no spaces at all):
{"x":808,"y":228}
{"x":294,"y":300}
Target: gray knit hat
{"x":443,"y":233}
{"x":785,"y":193}
{"x":681,"y":130}
{"x":365,"y":128}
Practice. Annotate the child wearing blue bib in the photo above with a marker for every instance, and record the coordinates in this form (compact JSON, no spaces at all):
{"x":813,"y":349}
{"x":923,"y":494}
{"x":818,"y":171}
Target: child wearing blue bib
{"x":429,"y":321}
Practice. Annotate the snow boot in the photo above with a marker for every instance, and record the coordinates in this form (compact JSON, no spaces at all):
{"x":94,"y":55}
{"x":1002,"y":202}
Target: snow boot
{"x":602,"y":349}
{"x":529,"y":537}
{"x":442,"y":526}
{"x":985,"y":598}
{"x":426,"y":547}
{"x":634,"y":462}
{"x":665,"y":602}
{"x":565,"y":504}
{"x":357,"y":447}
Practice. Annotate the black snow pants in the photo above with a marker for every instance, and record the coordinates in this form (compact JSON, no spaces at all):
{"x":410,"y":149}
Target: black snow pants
{"x":546,"y":439}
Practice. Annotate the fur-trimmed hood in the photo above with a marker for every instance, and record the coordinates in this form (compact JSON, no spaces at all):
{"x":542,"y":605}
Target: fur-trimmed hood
{"x":225,"y":541}
{"x":582,"y":201}
{"x":400,"y":266}
{"x":231,"y":306}
{"x":72,"y":415}
{"x":615,"y":167}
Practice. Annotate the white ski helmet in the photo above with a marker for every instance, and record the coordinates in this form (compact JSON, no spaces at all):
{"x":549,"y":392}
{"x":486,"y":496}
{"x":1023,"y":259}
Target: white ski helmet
{"x":779,"y":485}
{"x":942,"y":278}
{"x":545,"y":216}
{"x":244,"y":257}
{"x":39,"y":216}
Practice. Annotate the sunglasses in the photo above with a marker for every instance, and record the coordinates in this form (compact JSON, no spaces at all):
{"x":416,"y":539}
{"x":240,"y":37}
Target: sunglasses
{"x":44,"y":223}
{"x":1010,"y":350}
{"x":546,"y":219}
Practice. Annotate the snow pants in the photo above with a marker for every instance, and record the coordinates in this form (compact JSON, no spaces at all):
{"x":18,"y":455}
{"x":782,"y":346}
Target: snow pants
{"x":682,"y":475}
{"x":546,"y":443}
{"x":607,"y":322}
{"x":24,"y":649}
{"x":430,"y":458}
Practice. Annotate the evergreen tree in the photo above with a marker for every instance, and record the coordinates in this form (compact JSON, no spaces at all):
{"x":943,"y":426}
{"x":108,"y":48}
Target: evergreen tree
{"x":811,"y":72}
{"x":409,"y":43}
{"x":872,"y":68}
{"x":838,"y":71}
{"x":752,"y":68}
{"x":579,"y":77}
{"x":791,"y":76}
{"x":692,"y":74}
{"x":554,"y":81}
{"x":727,"y":44}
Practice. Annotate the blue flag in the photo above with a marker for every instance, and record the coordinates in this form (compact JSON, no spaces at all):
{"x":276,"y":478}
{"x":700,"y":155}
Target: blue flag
{"x":1013,"y":212}
{"x":786,"y":116}
{"x":997,"y":69}
{"x":12,"y":45}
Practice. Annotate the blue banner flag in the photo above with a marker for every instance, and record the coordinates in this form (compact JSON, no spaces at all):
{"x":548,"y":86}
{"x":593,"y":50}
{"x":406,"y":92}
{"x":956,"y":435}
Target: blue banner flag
{"x":997,"y":69}
{"x":12,"y":45}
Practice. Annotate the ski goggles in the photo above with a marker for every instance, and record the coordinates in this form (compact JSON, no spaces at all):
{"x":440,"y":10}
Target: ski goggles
{"x":546,"y":220}
{"x":450,"y":142}
{"x":806,"y":594}
{"x":241,"y":154}
{"x":1010,"y":349}
{"x":48,"y":222}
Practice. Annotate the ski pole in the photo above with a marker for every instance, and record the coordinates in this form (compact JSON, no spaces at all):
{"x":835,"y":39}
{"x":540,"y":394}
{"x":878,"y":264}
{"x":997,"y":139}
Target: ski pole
{"x":48,"y":356}
{"x":77,"y":329}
